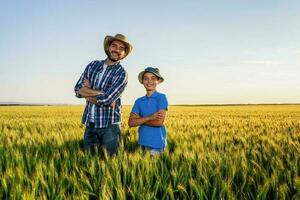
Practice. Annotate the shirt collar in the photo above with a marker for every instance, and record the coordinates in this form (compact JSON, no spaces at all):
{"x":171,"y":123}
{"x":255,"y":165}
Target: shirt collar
{"x":154,"y":95}
{"x":111,"y":66}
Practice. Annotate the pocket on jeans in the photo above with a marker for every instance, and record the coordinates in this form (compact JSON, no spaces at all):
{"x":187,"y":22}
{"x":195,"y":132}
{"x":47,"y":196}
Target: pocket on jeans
{"x":112,"y":132}
{"x":117,"y":128}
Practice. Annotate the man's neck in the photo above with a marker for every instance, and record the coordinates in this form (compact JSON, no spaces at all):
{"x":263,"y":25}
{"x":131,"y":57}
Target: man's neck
{"x":150,"y":92}
{"x":109,"y":62}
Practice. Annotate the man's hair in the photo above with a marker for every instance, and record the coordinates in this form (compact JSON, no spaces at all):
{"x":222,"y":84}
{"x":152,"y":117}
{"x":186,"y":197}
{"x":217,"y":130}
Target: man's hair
{"x":119,"y":41}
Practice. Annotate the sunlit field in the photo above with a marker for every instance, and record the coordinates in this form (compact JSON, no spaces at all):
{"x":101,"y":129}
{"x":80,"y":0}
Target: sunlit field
{"x":213,"y":152}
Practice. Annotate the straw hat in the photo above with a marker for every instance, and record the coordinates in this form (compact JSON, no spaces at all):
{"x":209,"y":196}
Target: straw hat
{"x":122,"y":38}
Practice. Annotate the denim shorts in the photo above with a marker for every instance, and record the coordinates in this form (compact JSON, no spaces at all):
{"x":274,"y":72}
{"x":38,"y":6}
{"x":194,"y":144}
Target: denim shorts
{"x":153,"y":151}
{"x":96,"y":137}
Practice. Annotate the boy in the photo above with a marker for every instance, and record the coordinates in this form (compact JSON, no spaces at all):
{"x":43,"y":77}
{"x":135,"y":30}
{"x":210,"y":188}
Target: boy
{"x":149,"y":113}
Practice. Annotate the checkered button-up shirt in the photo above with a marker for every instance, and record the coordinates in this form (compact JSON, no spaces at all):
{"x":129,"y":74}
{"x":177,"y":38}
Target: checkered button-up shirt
{"x":112,"y":84}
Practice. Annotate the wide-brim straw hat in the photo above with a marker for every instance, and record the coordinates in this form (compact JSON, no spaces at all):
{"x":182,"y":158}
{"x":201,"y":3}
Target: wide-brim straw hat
{"x":152,"y":70}
{"x":122,"y":38}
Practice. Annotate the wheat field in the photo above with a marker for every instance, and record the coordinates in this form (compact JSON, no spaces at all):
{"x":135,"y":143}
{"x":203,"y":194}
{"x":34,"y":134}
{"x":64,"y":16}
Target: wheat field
{"x":213,"y":152}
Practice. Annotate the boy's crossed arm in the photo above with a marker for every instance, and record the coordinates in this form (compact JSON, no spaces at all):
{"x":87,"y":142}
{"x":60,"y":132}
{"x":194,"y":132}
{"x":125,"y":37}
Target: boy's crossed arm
{"x":156,"y":119}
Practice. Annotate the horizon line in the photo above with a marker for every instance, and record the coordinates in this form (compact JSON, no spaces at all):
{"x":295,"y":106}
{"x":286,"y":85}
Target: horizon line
{"x":200,"y":104}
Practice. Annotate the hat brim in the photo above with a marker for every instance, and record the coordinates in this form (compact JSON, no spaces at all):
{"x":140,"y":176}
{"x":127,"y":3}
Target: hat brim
{"x":108,"y":40}
{"x":141,"y":74}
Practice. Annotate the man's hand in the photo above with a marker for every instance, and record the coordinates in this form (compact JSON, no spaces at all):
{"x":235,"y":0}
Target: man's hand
{"x":86,"y":90}
{"x":113,"y":105}
{"x":90,"y":94}
{"x":86,"y":83}
{"x":92,"y":100}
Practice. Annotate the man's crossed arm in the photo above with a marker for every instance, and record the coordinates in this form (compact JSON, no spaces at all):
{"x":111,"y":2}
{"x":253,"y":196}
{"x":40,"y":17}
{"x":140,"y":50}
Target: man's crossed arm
{"x":90,"y":94}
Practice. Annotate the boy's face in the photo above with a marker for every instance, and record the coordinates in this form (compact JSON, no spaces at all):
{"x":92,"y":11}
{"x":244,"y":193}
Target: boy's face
{"x":150,"y":81}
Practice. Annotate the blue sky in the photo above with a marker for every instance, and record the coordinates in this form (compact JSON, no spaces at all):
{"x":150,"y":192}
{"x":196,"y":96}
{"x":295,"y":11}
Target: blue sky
{"x":208,"y":51}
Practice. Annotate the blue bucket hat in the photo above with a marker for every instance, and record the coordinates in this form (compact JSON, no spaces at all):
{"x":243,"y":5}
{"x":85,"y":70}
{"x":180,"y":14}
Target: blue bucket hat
{"x":152,"y":70}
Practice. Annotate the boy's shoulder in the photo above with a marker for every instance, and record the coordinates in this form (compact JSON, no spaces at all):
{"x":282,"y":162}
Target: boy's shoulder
{"x":161,"y":95}
{"x":139,"y":99}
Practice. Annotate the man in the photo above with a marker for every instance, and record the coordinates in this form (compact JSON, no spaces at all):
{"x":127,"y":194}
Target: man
{"x":102,"y":84}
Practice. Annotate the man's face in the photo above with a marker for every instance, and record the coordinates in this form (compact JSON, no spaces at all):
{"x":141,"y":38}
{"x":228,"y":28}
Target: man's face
{"x":116,"y":51}
{"x":150,"y":81}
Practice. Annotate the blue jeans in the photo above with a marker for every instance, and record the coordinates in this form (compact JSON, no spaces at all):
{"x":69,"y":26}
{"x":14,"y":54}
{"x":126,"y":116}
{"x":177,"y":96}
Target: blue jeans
{"x":108,"y":137}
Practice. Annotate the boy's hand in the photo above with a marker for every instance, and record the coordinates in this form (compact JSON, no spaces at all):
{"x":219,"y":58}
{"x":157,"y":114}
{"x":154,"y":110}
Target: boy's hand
{"x":156,"y":116}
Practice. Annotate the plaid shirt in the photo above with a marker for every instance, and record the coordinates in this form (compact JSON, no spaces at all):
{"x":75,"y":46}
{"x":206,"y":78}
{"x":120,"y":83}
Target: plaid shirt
{"x":112,"y":84}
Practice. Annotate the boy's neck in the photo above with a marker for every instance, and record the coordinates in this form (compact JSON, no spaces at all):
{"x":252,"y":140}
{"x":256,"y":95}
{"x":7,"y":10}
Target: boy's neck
{"x":150,"y":92}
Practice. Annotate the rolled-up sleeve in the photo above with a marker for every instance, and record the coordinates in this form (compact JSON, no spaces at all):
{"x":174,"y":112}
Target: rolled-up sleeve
{"x":83,"y":76}
{"x":135,"y":108}
{"x":115,"y":91}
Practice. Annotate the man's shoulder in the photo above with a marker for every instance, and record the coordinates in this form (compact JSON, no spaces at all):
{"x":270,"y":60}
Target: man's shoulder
{"x":95,"y":63}
{"x":120,"y":68}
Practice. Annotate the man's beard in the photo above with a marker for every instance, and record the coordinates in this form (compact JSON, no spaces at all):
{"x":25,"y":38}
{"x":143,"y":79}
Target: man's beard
{"x":112,"y":58}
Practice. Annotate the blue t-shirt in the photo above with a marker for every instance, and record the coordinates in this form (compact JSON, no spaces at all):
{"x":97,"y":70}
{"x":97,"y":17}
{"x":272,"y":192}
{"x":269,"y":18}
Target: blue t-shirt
{"x":151,"y":136}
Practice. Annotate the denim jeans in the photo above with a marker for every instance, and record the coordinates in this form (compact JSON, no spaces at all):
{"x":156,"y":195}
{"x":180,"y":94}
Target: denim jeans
{"x":108,"y":137}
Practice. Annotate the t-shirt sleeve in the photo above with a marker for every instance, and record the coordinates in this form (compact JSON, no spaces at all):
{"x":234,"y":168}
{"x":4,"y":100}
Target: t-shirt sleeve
{"x":163,"y":103}
{"x":135,"y":108}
